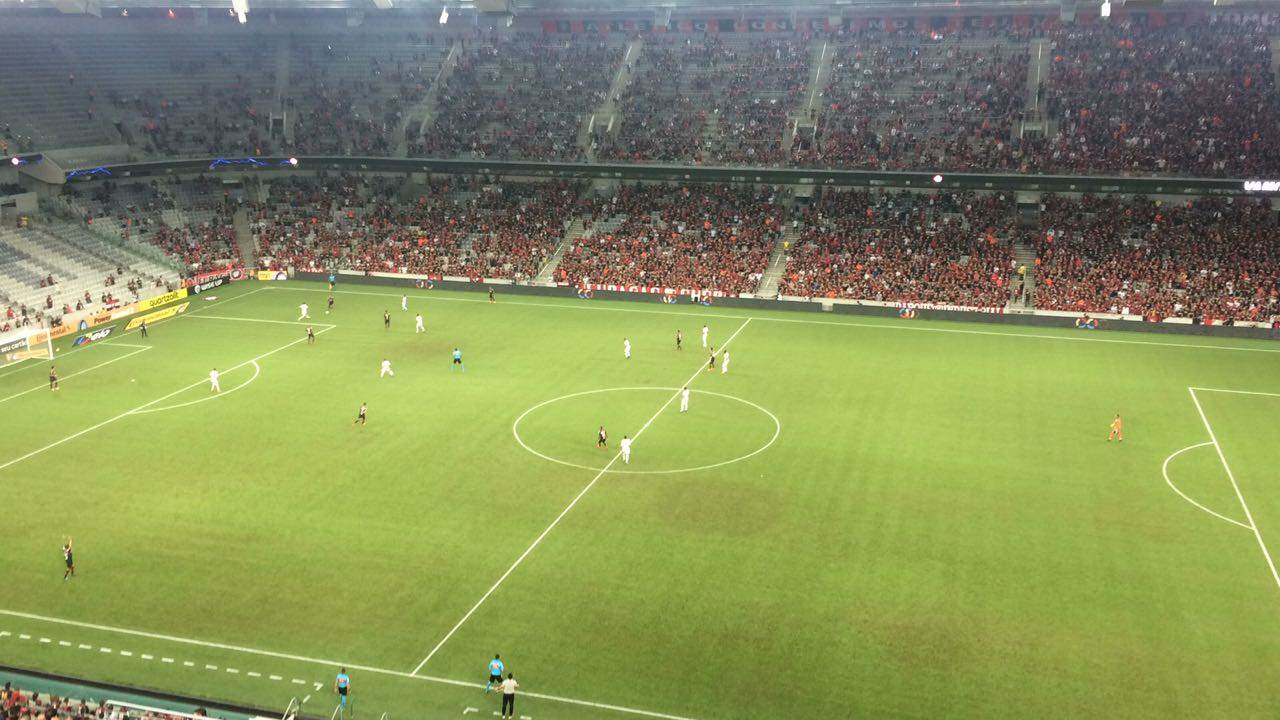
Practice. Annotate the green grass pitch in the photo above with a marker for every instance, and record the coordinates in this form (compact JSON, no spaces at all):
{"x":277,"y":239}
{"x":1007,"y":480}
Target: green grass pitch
{"x":862,"y":518}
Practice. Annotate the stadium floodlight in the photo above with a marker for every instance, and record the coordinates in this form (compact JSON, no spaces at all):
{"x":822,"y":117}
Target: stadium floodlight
{"x":444,"y":15}
{"x":937,"y":178}
{"x":15,"y":161}
{"x":1106,"y":8}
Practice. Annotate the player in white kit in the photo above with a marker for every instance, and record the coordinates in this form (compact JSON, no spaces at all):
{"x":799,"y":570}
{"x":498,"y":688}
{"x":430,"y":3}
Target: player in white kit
{"x":684,"y":399}
{"x":418,"y":327}
{"x":213,"y":381}
{"x":704,"y":335}
{"x":386,"y":369}
{"x":404,"y":302}
{"x":724,"y":362}
{"x":626,"y":348}
{"x":626,"y":450}
{"x":303,"y":308}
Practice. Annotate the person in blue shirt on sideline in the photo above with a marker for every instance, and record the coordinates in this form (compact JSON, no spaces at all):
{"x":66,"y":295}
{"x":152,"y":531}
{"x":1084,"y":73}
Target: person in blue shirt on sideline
{"x":342,"y":686}
{"x":457,"y":360}
{"x":495,"y":673}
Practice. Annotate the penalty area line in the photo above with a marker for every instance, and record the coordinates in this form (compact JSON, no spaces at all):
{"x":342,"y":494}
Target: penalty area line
{"x":144,"y":406}
{"x":322,"y":661}
{"x":78,"y":372}
{"x":1248,"y":516}
{"x":538,"y":540}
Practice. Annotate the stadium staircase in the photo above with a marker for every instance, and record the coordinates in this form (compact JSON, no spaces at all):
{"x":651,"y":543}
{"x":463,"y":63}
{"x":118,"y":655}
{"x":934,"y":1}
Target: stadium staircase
{"x":768,"y":286}
{"x":420,"y":116}
{"x":244,"y":236}
{"x":1034,"y":121}
{"x":572,"y":234}
{"x":608,"y":117}
{"x":804,"y":121}
{"x":284,"y":55}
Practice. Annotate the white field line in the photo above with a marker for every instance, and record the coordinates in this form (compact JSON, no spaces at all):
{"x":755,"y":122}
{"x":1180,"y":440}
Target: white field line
{"x":78,"y":372}
{"x":257,"y":369}
{"x":567,"y":508}
{"x":1236,"y":392}
{"x":1164,"y":469}
{"x":1082,"y":337}
{"x":327,"y":663}
{"x":113,"y":340}
{"x":1231,"y":476}
{"x":144,"y":406}
{"x":260,"y":320}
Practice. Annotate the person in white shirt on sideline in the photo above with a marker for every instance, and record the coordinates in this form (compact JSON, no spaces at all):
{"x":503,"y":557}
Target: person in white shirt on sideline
{"x":509,"y":696}
{"x":704,"y":335}
{"x":418,"y":327}
{"x":303,"y":312}
{"x":626,"y":348}
{"x":386,"y":369}
{"x":213,"y":381}
{"x":724,"y":362}
{"x":684,"y":399}
{"x":626,"y":450}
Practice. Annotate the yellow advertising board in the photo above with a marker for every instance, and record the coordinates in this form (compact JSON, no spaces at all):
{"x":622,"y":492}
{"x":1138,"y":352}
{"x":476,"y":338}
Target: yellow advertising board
{"x":165,"y":299}
{"x":157,"y":315}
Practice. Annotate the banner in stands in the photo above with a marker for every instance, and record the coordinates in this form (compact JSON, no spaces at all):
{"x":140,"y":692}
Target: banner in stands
{"x":12,"y":345}
{"x":157,"y":301}
{"x":63,"y":329}
{"x":209,"y":283}
{"x":225,"y":275}
{"x":157,"y":315}
{"x":273,"y":275}
{"x":957,"y":308}
{"x":654,"y":290}
{"x":95,"y":335}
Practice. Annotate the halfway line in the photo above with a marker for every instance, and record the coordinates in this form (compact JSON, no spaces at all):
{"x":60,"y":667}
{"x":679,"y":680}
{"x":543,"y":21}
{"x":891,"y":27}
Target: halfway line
{"x":566,"y":510}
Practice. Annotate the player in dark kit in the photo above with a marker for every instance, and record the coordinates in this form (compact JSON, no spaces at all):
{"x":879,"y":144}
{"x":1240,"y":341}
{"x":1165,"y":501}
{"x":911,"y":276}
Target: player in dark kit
{"x":53,"y":378}
{"x":330,"y":305}
{"x":679,"y":340}
{"x":71,"y":563}
{"x":311,"y":335}
{"x":711,"y":360}
{"x":361,"y":417}
{"x":491,"y":298}
{"x":602,"y":438}
{"x":143,"y":328}
{"x":386,"y":320}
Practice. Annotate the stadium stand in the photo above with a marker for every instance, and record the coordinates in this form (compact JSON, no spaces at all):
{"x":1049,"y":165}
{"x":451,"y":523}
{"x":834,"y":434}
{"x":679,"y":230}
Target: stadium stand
{"x":521,"y":97}
{"x":19,"y":704}
{"x":945,"y":248}
{"x":1207,"y":258}
{"x":715,"y":238}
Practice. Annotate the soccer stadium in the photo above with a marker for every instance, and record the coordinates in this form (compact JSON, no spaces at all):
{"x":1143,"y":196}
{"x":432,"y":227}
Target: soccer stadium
{"x":636,"y":360}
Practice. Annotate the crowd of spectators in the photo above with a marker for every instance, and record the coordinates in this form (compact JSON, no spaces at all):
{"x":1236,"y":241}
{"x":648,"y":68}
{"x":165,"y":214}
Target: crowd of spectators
{"x":912,"y":101}
{"x":712,"y":238}
{"x":520,"y":96}
{"x":944,"y":248}
{"x":17,"y":704}
{"x":468,"y":227}
{"x":1214,"y":259}
{"x":1197,"y":100}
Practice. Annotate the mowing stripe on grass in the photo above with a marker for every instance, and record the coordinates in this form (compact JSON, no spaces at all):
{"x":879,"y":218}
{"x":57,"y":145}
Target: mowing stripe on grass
{"x":878,"y":326}
{"x":144,"y":406}
{"x":569,"y":507}
{"x":322,"y":661}
{"x":1231,"y":476}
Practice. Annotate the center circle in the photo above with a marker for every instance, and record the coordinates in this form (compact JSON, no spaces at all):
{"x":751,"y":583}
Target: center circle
{"x":764,"y":440}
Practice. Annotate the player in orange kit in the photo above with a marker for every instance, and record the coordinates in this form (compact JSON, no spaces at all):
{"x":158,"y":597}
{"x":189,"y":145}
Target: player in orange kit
{"x":1117,"y":430}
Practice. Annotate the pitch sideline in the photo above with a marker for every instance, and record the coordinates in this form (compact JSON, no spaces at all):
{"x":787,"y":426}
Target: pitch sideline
{"x":327,"y":662}
{"x":880,"y":326}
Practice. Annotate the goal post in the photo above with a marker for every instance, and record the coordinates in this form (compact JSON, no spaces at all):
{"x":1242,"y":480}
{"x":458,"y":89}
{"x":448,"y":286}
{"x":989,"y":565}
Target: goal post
{"x":25,"y":344}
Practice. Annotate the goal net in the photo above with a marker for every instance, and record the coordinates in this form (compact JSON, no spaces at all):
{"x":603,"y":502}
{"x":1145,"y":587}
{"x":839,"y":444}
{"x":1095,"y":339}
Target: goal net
{"x":25,"y":344}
